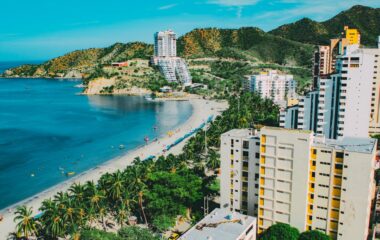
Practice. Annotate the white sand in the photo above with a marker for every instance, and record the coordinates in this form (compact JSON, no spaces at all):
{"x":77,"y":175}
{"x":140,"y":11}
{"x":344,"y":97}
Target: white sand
{"x":202,"y":109}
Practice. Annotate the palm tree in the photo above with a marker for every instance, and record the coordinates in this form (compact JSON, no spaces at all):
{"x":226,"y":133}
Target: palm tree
{"x":52,"y":221}
{"x":26,"y":225}
{"x":213,"y":161}
{"x":77,"y":192}
{"x":137,"y":186}
{"x":121,"y":215}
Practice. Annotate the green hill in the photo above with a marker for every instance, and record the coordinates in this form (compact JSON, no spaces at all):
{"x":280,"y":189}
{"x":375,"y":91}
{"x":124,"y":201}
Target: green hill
{"x":243,"y":43}
{"x":84,"y":61}
{"x":366,"y":19}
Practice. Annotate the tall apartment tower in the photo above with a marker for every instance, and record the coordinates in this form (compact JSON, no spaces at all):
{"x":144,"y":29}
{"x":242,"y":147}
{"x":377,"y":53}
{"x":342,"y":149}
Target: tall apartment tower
{"x":165,"y":57}
{"x":165,"y":44}
{"x":302,"y":116}
{"x":325,"y":56}
{"x":303,"y":180}
{"x":240,"y":150}
{"x":349,"y":100}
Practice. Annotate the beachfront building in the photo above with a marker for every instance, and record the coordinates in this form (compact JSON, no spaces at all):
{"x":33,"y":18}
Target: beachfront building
{"x":303,"y":180}
{"x":347,"y":90}
{"x":302,"y":115}
{"x":223,"y":224}
{"x":165,"y":58}
{"x":240,"y":173}
{"x":165,"y":44}
{"x":325,"y":56}
{"x":349,"y":99}
{"x":273,"y":85}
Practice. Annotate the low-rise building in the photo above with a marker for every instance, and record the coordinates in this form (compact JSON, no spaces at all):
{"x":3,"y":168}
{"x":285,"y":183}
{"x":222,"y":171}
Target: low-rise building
{"x":223,"y":224}
{"x":273,"y":85}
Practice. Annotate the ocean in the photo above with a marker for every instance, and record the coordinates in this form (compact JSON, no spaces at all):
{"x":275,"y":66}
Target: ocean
{"x":47,"y":130}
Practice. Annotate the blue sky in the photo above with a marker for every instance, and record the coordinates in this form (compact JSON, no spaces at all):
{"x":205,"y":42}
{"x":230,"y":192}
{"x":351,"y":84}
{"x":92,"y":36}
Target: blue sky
{"x":42,"y":29}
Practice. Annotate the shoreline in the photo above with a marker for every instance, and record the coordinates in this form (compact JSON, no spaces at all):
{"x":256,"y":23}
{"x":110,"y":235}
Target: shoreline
{"x":202,"y":109}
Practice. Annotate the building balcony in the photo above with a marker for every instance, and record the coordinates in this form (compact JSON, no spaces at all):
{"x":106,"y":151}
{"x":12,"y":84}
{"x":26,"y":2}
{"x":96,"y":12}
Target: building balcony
{"x":335,"y":204}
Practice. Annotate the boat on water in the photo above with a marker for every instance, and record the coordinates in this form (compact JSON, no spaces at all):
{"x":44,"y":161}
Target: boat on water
{"x":148,"y":98}
{"x":70,"y":174}
{"x":80,"y":86}
{"x":121,"y":146}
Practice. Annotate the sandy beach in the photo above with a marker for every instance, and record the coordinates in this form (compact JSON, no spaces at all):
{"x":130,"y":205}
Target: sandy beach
{"x":202,"y":109}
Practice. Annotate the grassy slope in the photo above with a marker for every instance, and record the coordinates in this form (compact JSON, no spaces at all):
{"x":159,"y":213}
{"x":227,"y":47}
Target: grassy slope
{"x":86,"y":60}
{"x":366,"y":19}
{"x":245,"y":43}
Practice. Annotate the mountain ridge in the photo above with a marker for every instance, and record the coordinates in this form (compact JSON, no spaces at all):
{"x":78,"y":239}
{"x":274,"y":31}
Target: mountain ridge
{"x":290,"y":44}
{"x":306,"y":30}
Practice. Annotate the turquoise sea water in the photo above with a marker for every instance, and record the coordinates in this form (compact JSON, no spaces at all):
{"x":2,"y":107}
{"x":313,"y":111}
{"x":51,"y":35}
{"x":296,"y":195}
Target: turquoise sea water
{"x":46,"y":127}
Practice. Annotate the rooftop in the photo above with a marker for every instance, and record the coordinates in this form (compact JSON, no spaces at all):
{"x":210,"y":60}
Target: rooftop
{"x":287,"y":130}
{"x":224,"y":225}
{"x":352,"y":144}
{"x":242,"y":133}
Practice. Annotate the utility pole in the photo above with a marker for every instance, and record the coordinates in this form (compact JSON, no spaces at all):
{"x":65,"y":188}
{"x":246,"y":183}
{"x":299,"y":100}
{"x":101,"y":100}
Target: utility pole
{"x":206,"y":150}
{"x":206,"y":205}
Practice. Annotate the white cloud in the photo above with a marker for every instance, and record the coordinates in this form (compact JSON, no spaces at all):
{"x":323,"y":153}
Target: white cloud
{"x":167,"y":6}
{"x":236,"y":3}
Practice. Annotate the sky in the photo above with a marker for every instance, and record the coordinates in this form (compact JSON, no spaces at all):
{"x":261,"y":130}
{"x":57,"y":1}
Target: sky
{"x":43,"y":29}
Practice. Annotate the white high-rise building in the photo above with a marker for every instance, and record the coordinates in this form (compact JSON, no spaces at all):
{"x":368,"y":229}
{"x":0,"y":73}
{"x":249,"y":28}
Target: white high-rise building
{"x":165,"y":57}
{"x":240,"y":150}
{"x":302,"y":116}
{"x":272,"y":85}
{"x":297,"y":178}
{"x":348,"y":101}
{"x":165,"y":44}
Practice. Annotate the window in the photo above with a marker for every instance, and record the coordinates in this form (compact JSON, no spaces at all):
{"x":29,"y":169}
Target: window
{"x":232,"y":151}
{"x":339,"y":154}
{"x":245,"y":154}
{"x":245,"y":144}
{"x":257,"y":155}
{"x":338,"y":166}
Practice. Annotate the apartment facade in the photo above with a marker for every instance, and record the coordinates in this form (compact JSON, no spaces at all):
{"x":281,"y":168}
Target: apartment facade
{"x":349,"y":98}
{"x":240,"y":150}
{"x":165,"y":58}
{"x":303,"y":115}
{"x":303,"y":180}
{"x":273,"y":85}
{"x":325,"y":56}
{"x":165,"y":44}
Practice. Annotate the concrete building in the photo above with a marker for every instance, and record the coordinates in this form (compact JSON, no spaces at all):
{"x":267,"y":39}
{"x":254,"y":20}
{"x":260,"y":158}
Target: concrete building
{"x":304,"y":180}
{"x":289,"y":117}
{"x":272,"y":85}
{"x":302,"y":116}
{"x":308,"y":111}
{"x":174,"y":69}
{"x":349,"y":98}
{"x":239,"y":171}
{"x":222,"y":224}
{"x":325,"y":56}
{"x":165,"y":57}
{"x":165,"y":44}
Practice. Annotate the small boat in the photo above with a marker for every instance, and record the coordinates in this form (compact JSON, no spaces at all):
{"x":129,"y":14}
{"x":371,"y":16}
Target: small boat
{"x":70,"y":174}
{"x":121,"y":146}
{"x":32,"y":174}
{"x":80,"y":86}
